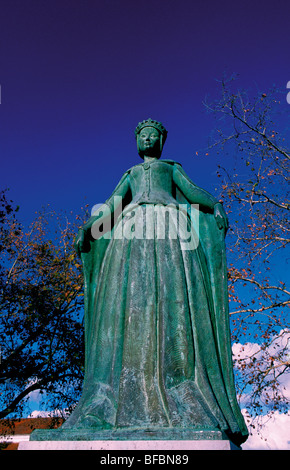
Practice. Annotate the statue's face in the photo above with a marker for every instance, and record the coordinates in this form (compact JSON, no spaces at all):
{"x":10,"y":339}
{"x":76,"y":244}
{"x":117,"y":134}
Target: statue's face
{"x":148,"y":142}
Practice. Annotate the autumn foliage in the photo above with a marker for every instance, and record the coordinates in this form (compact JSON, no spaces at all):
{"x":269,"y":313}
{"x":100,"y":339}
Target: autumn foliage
{"x":255,"y":192}
{"x":41,"y":310}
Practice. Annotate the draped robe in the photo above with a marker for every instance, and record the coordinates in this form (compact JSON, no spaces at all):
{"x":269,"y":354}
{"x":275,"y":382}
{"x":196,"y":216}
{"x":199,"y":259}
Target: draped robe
{"x":157,"y":336}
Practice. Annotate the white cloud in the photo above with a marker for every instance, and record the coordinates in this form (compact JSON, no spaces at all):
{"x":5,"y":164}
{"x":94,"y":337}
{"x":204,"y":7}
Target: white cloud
{"x":49,"y":414}
{"x":278,"y":346}
{"x":270,"y":433}
{"x":40,"y":414}
{"x":271,"y":361}
{"x":244,"y":351}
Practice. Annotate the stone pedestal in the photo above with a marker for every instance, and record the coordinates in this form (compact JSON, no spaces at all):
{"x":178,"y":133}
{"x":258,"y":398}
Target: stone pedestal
{"x":132,"y":439}
{"x":128,"y":434}
{"x":158,"y":445}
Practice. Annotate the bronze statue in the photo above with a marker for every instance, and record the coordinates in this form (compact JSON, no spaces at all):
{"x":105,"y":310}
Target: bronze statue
{"x":157,"y":337}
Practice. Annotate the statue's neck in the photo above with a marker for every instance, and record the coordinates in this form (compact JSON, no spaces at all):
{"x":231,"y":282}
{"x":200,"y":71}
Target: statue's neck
{"x":149,"y":159}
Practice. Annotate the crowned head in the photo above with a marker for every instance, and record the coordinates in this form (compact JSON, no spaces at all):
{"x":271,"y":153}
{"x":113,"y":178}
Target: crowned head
{"x":150,"y":136}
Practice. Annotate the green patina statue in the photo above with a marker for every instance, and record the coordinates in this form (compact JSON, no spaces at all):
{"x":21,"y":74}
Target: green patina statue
{"x":157,"y":339}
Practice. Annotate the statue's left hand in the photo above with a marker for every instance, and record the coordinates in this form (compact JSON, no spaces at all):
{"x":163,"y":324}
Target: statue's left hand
{"x":221,"y":217}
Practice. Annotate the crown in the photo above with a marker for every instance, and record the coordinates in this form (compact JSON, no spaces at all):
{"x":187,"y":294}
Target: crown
{"x":150,"y":123}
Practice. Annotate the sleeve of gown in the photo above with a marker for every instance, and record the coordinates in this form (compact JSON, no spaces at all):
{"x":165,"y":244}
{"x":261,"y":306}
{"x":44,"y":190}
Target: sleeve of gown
{"x":113,"y":203}
{"x":191,"y":191}
{"x":121,"y":191}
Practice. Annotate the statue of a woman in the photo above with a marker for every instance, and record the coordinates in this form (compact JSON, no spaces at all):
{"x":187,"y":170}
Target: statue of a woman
{"x":158,"y":351}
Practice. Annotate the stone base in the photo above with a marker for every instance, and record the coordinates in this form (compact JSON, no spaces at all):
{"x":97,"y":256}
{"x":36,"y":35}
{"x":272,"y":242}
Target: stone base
{"x":171,"y":445}
{"x":127,"y":434}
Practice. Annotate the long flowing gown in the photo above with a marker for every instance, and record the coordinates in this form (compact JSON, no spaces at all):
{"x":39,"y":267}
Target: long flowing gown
{"x":158,"y":351}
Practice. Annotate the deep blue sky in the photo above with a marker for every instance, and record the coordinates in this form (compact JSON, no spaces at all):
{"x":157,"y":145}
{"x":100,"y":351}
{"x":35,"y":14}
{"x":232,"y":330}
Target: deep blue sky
{"x":77,"y":76}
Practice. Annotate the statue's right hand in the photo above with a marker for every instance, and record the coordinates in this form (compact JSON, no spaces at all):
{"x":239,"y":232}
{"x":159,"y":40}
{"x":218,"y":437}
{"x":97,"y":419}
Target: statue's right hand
{"x":82,"y":241}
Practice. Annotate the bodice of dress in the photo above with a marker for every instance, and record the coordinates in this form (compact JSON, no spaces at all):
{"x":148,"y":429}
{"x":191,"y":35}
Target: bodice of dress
{"x":157,"y":182}
{"x":152,"y":183}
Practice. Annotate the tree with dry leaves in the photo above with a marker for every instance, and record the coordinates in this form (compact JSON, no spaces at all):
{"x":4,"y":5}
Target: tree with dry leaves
{"x":41,"y":302}
{"x":255,"y":193}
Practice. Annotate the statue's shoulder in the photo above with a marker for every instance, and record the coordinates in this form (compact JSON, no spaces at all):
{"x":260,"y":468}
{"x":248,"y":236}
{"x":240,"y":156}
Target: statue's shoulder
{"x":132,"y":168}
{"x":171,"y":162}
